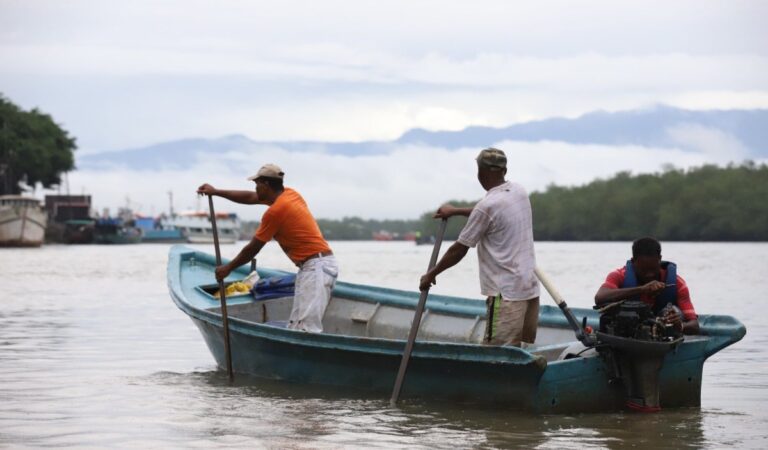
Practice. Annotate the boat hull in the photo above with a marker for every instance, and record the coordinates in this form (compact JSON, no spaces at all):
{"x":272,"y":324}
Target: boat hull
{"x":79,"y":231}
{"x":172,"y":236}
{"x":367,"y":368}
{"x":121,"y":236}
{"x":22,"y":226}
{"x":576,"y":385}
{"x":532,"y":379}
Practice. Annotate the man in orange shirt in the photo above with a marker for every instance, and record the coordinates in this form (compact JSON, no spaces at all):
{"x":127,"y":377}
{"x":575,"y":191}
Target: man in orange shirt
{"x":289,"y":222}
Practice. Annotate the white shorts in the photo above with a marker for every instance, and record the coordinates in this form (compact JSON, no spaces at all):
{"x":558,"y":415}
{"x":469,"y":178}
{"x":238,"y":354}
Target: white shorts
{"x":314,"y":284}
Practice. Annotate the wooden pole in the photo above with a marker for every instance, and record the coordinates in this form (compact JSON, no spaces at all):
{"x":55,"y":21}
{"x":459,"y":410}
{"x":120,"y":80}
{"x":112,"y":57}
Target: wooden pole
{"x":222,"y":291}
{"x":416,"y":320}
{"x":581,"y":335}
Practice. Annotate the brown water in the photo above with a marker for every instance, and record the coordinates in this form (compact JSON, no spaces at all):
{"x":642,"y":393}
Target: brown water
{"x":93,"y":353}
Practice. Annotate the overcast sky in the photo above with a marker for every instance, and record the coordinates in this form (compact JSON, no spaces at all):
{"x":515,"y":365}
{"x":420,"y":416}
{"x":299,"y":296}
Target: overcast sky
{"x":128,"y":74}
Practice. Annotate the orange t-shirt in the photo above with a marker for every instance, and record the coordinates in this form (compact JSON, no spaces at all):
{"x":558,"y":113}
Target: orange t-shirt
{"x":291,"y":224}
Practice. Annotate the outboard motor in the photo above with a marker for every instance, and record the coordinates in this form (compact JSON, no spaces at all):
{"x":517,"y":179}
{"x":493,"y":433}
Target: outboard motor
{"x":634,"y":342}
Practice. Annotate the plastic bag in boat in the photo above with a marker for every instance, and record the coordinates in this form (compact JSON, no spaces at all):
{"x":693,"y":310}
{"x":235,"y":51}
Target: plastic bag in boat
{"x":274,"y":287}
{"x":251,"y":279}
{"x":236,"y":288}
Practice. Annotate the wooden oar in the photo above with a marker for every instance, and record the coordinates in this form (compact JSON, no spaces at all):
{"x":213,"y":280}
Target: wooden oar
{"x":416,"y":320}
{"x":577,"y":328}
{"x":222,"y":291}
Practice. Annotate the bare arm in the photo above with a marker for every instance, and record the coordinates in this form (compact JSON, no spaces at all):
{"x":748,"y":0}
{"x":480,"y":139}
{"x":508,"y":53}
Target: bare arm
{"x":244,"y":197}
{"x":607,"y":295}
{"x":686,"y":326}
{"x":447,"y":211}
{"x":246,"y":254}
{"x":691,"y":326}
{"x":455,"y":253}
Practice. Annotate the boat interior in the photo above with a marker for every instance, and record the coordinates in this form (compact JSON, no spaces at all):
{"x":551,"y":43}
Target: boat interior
{"x":371,"y":319}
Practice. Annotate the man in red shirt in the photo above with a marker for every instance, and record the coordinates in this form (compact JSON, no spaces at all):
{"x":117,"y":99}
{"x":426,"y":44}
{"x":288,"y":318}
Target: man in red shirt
{"x":655,"y":282}
{"x":289,"y":222}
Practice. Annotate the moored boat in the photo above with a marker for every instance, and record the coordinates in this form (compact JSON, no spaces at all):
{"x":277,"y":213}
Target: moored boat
{"x":22,"y":221}
{"x":70,"y":219}
{"x":163,"y":236}
{"x":365,"y":330}
{"x":79,"y":231}
{"x":158,"y":231}
{"x":115,"y":231}
{"x":196,"y":226}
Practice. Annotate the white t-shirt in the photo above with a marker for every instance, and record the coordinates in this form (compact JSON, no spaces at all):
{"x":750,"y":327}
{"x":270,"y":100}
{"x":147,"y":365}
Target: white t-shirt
{"x":501,"y":226}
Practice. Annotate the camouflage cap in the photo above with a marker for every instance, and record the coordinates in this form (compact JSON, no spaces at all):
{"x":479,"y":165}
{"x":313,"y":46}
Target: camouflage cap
{"x":268,"y":171}
{"x":493,"y":158}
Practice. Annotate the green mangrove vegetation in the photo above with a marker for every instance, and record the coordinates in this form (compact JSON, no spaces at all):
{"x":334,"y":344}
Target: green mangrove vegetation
{"x":707,"y":203}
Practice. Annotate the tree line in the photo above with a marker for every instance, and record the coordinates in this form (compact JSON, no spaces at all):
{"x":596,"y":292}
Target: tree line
{"x":33,"y":149}
{"x":707,"y":203}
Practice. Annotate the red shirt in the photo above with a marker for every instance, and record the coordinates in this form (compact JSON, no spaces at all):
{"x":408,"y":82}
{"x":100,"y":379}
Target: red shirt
{"x":615,"y":279}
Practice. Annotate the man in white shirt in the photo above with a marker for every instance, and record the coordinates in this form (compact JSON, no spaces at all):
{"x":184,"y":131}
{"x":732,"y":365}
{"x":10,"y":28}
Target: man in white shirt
{"x":501,"y":227}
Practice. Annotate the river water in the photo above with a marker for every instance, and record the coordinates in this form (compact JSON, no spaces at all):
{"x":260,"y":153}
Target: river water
{"x":93,"y":353}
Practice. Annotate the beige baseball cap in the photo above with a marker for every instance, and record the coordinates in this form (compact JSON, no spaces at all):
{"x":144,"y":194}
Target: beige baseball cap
{"x":492,"y":158}
{"x":268,"y":171}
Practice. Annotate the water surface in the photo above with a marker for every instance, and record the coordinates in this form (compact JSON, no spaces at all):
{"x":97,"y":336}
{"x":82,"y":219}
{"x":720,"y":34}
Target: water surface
{"x":93,"y":353}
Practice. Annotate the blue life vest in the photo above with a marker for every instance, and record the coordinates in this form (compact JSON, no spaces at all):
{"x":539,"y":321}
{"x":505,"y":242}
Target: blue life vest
{"x":667,"y":296}
{"x":274,"y":287}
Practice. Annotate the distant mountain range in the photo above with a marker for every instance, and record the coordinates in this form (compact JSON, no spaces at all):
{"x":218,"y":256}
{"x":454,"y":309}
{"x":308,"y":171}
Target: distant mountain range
{"x":651,"y":127}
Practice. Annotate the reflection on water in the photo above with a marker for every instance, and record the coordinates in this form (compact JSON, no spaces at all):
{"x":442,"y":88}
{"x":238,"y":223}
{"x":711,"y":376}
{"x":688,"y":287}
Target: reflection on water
{"x":93,"y":352}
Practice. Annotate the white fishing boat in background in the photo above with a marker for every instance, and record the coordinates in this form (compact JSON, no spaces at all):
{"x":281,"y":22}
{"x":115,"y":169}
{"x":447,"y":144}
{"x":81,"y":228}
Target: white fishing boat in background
{"x":196,"y":225}
{"x":22,"y":221}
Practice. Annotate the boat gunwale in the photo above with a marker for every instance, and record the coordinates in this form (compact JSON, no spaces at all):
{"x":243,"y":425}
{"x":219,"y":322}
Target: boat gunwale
{"x":426,"y":349}
{"x":720,"y":331}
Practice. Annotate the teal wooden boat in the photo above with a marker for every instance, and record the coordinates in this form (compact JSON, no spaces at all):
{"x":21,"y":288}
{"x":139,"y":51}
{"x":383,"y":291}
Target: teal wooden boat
{"x":364,"y":338}
{"x":158,"y":231}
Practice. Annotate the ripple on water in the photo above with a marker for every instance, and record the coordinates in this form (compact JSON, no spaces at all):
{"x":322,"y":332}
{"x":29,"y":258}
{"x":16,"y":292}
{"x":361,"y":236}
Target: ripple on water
{"x":94,"y":353}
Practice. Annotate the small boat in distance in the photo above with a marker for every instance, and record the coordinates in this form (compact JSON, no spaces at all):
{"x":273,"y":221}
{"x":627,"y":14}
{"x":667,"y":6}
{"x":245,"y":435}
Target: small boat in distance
{"x":22,"y":221}
{"x":158,"y":230}
{"x":425,"y":240}
{"x":70,"y":219}
{"x":79,"y":231}
{"x":365,"y":330}
{"x":196,"y":226}
{"x":382,"y":235}
{"x":115,"y":231}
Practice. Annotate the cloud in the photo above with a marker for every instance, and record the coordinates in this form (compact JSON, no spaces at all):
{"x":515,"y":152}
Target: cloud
{"x":525,"y":28}
{"x":716,"y":144}
{"x":344,"y":62}
{"x":402,"y":184}
{"x":124,"y":75}
{"x":718,"y":99}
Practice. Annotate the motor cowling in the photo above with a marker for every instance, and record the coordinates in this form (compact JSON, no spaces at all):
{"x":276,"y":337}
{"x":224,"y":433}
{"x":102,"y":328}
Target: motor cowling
{"x":634,"y":342}
{"x":635,"y":320}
